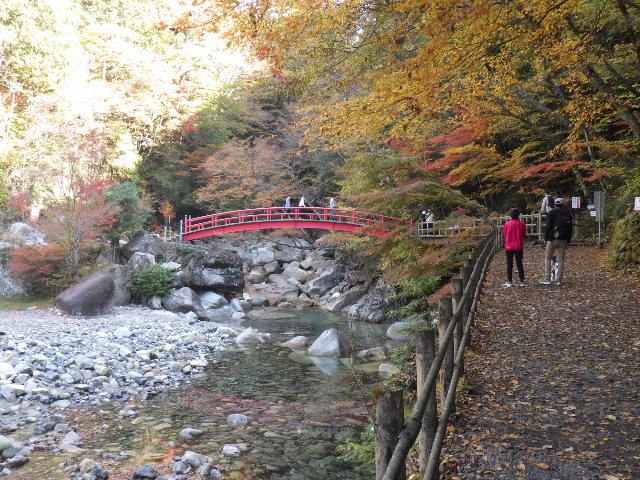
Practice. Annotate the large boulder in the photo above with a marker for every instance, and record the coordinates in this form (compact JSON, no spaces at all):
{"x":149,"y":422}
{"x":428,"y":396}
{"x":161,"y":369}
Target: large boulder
{"x":9,"y":286}
{"x":212,"y":300}
{"x":372,"y":306}
{"x":93,"y":295}
{"x":142,"y":242}
{"x":219,"y":270}
{"x":109,"y":255}
{"x":257,"y":274}
{"x":23,"y":234}
{"x":325,"y":282}
{"x":263,"y":256}
{"x":287,"y":254}
{"x":328,"y":344}
{"x":298,"y":274}
{"x":349,"y":298}
{"x":399,"y":331}
{"x":139,"y":260}
{"x":184,"y":300}
{"x":122,"y":284}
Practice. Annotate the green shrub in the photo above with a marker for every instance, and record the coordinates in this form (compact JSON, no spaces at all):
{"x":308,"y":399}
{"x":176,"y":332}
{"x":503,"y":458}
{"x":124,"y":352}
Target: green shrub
{"x":359,"y":451}
{"x":625,"y":244}
{"x":152,"y":280}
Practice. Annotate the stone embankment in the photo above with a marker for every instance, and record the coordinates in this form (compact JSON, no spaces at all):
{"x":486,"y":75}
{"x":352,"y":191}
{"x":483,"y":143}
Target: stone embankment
{"x":214,"y":279}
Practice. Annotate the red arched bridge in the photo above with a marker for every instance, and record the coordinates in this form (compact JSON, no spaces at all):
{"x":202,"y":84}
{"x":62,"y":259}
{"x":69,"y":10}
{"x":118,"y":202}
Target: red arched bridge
{"x":294,"y":217}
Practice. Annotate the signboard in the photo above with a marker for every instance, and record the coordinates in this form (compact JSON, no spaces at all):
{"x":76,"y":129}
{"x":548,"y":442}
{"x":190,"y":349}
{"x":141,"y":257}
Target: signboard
{"x":598,"y":200}
{"x":575,"y":202}
{"x":636,"y":204}
{"x":592,"y":213}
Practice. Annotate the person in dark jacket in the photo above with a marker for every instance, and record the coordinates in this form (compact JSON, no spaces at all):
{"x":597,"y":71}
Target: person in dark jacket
{"x":559,"y":230}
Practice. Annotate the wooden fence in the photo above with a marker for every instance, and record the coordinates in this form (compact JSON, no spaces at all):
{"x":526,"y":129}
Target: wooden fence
{"x":394,"y":437}
{"x":534,"y":222}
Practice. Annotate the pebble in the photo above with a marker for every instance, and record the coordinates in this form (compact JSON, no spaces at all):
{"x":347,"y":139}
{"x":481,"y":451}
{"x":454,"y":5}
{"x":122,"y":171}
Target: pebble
{"x":146,"y":471}
{"x":189,"y":434}
{"x":237,"y":420}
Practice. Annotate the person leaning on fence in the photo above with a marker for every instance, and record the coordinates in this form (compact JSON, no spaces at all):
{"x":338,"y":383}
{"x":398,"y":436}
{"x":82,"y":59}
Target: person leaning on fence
{"x":559,"y":230}
{"x":514,"y":232}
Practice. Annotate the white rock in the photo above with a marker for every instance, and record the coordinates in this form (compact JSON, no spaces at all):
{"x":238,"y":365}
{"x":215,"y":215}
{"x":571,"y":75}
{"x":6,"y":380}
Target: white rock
{"x":212,"y":300}
{"x":250,"y":336}
{"x":230,"y":451}
{"x":70,"y":439}
{"x":237,"y":420}
{"x":122,"y":332}
{"x":195,"y":459}
{"x":386,"y":369}
{"x":6,"y":369}
{"x":297,"y":343}
{"x":235,"y":304}
{"x":238,"y":316}
{"x":396,"y":331}
{"x":8,"y":392}
{"x":372,"y":354}
{"x":224,"y":330}
{"x":101,"y":370}
{"x":172,"y":266}
{"x":328,"y":344}
{"x":199,"y":362}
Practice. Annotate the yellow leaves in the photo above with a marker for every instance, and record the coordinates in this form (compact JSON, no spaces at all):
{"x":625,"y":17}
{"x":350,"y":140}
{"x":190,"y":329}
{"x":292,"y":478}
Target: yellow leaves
{"x":543,"y":466}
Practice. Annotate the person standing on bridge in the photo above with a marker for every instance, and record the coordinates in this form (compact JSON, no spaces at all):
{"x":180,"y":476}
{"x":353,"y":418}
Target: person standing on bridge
{"x":301,"y":203}
{"x":514,"y":232}
{"x":287,"y":205}
{"x":332,"y":206}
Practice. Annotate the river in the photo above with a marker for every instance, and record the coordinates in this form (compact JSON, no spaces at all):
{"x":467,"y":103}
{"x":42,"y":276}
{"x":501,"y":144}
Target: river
{"x":299,"y":409}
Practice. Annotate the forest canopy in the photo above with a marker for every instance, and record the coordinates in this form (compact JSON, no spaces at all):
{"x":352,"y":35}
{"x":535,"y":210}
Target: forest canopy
{"x":500,"y":99}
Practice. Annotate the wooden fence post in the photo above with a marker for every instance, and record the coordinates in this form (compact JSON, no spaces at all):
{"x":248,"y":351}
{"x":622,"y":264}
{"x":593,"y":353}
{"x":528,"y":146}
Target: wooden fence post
{"x":388,"y":424}
{"x":425,"y":353}
{"x":458,"y":289}
{"x":446,"y":371}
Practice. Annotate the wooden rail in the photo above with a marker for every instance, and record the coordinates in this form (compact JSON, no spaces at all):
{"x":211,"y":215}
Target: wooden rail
{"x":446,"y":228}
{"x":454,"y":327}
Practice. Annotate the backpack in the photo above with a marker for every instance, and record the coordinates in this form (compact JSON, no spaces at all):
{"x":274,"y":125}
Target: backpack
{"x":549,"y":203}
{"x":562,"y":225}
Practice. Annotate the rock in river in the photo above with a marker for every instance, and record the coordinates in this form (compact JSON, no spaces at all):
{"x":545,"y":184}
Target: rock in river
{"x":328,"y":344}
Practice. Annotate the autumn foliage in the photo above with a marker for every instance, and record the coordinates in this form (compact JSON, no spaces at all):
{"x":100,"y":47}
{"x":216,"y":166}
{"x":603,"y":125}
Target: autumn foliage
{"x":82,"y":215}
{"x":38,"y":267}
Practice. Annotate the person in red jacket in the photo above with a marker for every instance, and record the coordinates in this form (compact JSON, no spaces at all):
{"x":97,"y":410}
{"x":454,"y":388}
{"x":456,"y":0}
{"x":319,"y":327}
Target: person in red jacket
{"x":514,"y":232}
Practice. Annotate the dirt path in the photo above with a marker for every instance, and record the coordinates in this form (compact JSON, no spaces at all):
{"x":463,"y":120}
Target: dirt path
{"x":553,"y":377}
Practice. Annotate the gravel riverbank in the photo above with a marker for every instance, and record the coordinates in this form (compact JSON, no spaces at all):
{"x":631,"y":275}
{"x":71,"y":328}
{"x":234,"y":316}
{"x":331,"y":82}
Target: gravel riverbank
{"x":50,"y":362}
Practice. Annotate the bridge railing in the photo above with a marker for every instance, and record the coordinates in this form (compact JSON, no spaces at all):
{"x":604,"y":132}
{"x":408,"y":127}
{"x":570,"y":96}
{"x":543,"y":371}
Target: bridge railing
{"x":393,"y":436}
{"x":293,"y":214}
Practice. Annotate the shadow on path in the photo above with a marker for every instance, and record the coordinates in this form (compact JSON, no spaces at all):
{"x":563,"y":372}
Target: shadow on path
{"x":553,"y":377}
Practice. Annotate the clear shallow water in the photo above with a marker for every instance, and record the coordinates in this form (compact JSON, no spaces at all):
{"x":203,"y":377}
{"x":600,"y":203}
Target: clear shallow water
{"x":299,"y":408}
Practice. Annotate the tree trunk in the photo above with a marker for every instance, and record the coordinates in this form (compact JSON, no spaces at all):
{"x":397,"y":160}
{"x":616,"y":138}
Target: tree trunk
{"x":425,"y":353}
{"x":388,"y":424}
